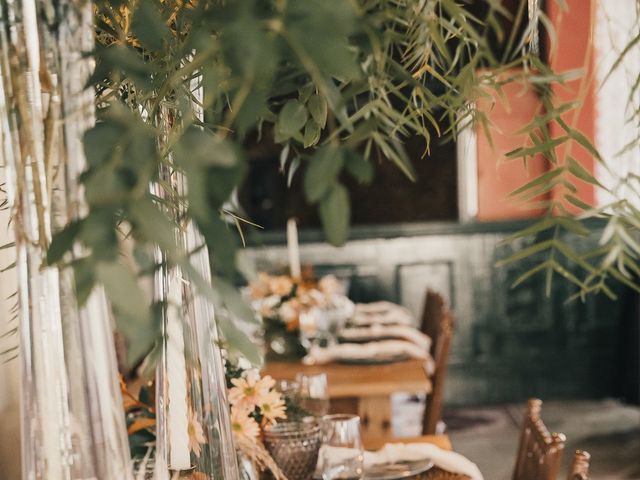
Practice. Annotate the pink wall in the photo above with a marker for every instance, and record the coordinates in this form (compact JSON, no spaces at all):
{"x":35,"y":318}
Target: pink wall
{"x":497,"y":177}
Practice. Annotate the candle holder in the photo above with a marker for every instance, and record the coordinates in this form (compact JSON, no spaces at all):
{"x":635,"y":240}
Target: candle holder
{"x":194,"y":438}
{"x":192,"y":414}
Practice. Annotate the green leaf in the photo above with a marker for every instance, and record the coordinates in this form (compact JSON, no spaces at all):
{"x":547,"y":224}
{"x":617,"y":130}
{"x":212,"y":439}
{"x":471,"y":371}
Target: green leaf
{"x":335,"y":214}
{"x":582,"y":173}
{"x":304,"y":93}
{"x":311,"y":133}
{"x":529,"y":273}
{"x":148,"y":25}
{"x":222,"y":244}
{"x":394,"y":150}
{"x":318,"y":108}
{"x":543,"y":179}
{"x":577,"y":202}
{"x":8,"y":267}
{"x":359,"y":168}
{"x":293,"y":168}
{"x":8,"y":245}
{"x":153,"y":224}
{"x":98,"y":232}
{"x":237,"y":339}
{"x":100,"y":141}
{"x":197,"y":147}
{"x":62,"y":242}
{"x":539,"y":148}
{"x":574,"y":226}
{"x":233,"y":301}
{"x":84,"y":277}
{"x":323,"y":170}
{"x":291,"y":118}
{"x":539,"y":226}
{"x":320,"y":29}
{"x":123,"y":290}
{"x":526,"y":252}
{"x":129,"y":62}
{"x":131,"y":309}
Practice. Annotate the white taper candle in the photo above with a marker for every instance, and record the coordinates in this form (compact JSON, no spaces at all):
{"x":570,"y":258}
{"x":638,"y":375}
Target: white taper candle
{"x":177,"y":409}
{"x":294,"y":250}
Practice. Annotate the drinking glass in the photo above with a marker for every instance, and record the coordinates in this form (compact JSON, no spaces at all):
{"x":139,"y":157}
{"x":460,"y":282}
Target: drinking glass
{"x":294,"y":446}
{"x":289,"y":389}
{"x":341,"y":455}
{"x":313,"y":393}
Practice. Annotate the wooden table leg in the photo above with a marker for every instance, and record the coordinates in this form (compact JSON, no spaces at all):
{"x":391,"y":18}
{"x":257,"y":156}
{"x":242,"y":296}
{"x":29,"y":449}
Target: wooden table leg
{"x":375,"y":416}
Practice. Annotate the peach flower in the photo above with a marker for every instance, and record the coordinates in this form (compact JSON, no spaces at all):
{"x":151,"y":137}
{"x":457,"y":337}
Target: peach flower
{"x":196,"y":434}
{"x":281,"y":285}
{"x":242,"y":425}
{"x":272,"y":407}
{"x":249,"y":390}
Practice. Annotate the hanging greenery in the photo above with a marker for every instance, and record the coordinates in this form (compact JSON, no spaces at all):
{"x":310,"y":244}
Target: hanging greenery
{"x":339,"y":85}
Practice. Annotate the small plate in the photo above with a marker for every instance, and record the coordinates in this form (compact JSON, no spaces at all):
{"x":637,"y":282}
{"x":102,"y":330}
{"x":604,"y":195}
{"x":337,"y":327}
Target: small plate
{"x":372,"y":360}
{"x":394,"y":471}
{"x":367,"y":339}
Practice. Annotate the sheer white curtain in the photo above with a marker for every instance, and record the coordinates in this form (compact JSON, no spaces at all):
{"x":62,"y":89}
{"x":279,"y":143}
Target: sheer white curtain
{"x":9,"y":371}
{"x":616,"y":24}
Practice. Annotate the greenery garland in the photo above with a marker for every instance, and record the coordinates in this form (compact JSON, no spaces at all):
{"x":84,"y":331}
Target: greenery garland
{"x":339,"y":84}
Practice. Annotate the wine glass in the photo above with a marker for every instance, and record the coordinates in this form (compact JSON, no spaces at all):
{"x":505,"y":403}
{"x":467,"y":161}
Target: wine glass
{"x":313,"y":393}
{"x":341,"y":455}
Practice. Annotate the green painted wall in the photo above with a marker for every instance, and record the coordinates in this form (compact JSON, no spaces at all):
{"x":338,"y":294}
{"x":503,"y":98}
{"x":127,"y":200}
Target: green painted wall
{"x":510,"y":344}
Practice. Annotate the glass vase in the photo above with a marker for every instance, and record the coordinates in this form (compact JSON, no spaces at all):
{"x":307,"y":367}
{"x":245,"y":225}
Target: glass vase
{"x":194,"y":437}
{"x":193,"y":429}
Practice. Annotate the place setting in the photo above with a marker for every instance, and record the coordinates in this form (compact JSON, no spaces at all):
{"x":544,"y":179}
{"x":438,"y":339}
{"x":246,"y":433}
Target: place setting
{"x":330,"y":447}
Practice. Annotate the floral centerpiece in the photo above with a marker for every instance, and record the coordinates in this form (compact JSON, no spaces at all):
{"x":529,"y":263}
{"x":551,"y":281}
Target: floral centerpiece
{"x":255,"y":406}
{"x":290,"y":307}
{"x":255,"y":403}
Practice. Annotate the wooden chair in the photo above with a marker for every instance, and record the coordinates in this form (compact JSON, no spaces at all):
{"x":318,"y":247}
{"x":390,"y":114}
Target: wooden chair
{"x":437,"y":322}
{"x":539,"y":452}
{"x":580,"y":466}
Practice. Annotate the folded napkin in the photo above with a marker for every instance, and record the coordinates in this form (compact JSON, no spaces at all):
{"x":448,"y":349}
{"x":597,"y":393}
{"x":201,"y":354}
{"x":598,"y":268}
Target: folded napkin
{"x":403,"y":332}
{"x":376,"y":308}
{"x":386,"y":313}
{"x":363,"y":351}
{"x":408,"y":452}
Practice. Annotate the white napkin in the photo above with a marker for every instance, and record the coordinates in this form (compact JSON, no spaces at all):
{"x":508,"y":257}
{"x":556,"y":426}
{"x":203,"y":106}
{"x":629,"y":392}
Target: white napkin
{"x":363,"y":351}
{"x":381,"y":313}
{"x":450,"y":461}
{"x":404,"y":332}
{"x":374,"y":308}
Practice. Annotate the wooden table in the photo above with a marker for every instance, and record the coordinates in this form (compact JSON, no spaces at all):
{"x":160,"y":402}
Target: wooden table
{"x":362,"y":389}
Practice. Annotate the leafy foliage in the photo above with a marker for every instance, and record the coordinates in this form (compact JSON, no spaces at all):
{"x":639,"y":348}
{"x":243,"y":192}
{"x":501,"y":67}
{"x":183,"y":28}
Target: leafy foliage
{"x":616,"y":258}
{"x":339,"y":84}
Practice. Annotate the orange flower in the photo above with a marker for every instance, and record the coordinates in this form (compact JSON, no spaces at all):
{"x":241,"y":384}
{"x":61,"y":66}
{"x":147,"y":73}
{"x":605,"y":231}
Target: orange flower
{"x":249,"y":390}
{"x":196,"y":434}
{"x":242,"y":425}
{"x":272,"y":407}
{"x":260,"y":288}
{"x":281,"y":285}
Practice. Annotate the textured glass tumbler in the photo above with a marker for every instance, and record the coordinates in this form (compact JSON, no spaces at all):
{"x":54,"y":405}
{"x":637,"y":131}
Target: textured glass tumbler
{"x":342,"y":455}
{"x":314,"y":393}
{"x":294,"y":446}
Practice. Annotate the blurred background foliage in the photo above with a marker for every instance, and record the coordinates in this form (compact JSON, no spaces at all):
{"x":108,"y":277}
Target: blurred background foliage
{"x":339,"y":85}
